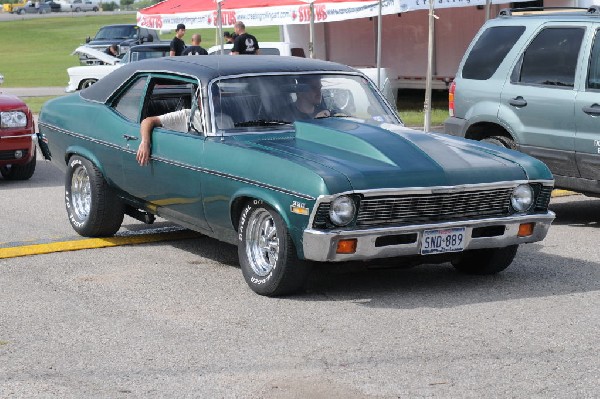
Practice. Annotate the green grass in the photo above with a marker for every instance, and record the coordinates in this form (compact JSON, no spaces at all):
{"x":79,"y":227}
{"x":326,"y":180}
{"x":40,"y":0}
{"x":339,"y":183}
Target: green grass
{"x":37,"y":52}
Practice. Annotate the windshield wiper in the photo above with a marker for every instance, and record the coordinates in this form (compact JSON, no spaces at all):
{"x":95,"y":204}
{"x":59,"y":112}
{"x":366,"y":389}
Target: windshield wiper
{"x":262,"y":122}
{"x":335,"y":115}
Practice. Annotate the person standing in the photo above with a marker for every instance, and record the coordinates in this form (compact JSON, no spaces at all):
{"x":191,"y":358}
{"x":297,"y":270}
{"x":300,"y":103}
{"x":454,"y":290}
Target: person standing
{"x":244,"y":43}
{"x":195,"y":48}
{"x":113,"y":50}
{"x":177,"y":44}
{"x":229,"y":38}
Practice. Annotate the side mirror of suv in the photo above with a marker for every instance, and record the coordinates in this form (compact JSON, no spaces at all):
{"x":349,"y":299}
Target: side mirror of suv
{"x":87,"y":39}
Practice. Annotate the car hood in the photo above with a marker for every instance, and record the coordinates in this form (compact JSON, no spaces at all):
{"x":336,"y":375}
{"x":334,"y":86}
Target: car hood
{"x":94,"y":53}
{"x":9,"y":102}
{"x":395,"y":157}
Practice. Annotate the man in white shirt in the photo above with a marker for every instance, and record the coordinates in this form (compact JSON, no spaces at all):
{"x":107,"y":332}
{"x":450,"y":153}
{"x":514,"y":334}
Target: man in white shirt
{"x":177,"y":121}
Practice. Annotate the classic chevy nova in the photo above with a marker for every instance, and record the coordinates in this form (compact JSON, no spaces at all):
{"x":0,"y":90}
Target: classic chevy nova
{"x":339,"y":179}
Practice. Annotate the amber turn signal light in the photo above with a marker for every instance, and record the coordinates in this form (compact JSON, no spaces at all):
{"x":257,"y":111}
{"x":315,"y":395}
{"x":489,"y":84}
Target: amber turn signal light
{"x":526,"y":229}
{"x":346,"y":246}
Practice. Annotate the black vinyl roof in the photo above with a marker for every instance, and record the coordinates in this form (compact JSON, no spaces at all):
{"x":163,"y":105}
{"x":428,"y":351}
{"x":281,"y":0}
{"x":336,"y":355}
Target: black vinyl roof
{"x":208,"y":67}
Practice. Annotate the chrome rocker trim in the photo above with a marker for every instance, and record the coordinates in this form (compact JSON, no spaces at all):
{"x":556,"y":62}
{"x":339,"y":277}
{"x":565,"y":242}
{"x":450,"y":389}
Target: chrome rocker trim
{"x":320,"y":245}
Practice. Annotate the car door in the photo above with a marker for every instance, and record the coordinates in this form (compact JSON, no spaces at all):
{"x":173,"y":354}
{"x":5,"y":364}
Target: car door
{"x":171,"y":183}
{"x":587,"y":116}
{"x":537,"y":101}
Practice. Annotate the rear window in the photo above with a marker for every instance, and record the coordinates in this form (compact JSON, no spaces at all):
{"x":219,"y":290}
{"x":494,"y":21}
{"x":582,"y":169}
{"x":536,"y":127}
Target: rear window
{"x":490,"y":50}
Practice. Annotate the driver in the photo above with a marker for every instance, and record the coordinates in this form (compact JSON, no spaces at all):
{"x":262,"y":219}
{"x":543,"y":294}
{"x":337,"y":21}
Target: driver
{"x":309,"y":102}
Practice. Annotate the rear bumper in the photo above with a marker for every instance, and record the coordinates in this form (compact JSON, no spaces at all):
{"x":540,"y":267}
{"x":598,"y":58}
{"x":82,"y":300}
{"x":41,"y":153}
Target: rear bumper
{"x":455,"y":126}
{"x":319,"y":245}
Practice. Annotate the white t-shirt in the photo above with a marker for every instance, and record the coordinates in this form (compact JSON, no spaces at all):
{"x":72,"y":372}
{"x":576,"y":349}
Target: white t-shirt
{"x":178,"y":120}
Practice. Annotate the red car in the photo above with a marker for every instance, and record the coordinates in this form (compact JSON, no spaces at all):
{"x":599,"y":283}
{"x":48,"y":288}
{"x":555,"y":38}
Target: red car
{"x":17,"y":143}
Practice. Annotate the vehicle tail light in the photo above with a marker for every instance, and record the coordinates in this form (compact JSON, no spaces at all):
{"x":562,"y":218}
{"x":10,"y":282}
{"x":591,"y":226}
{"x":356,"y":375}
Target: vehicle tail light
{"x":451,"y":98}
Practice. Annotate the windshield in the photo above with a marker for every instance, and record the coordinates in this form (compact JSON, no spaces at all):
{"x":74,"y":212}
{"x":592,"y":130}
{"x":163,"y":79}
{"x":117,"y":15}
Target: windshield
{"x":272,"y":102}
{"x":116,"y":32}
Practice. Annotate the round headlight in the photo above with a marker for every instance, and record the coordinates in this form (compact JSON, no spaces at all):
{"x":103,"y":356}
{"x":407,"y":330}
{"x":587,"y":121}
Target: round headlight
{"x":342,"y":210}
{"x":522,"y":198}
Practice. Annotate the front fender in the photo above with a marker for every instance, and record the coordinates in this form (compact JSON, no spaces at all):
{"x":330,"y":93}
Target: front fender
{"x":281,"y":203}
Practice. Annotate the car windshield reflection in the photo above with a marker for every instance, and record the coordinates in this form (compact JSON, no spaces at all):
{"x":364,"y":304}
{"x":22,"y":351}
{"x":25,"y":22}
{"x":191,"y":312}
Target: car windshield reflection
{"x":259,"y":103}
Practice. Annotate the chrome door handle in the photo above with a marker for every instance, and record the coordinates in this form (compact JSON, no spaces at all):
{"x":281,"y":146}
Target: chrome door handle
{"x":128,"y":137}
{"x":593,"y":110}
{"x":518,"y":102}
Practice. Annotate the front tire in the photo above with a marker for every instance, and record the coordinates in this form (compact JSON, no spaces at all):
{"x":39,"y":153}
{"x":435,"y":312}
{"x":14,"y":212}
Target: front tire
{"x":93,"y":208}
{"x":485,"y":261}
{"x":501,"y":141}
{"x":87,"y":83}
{"x":20,"y":172}
{"x":267,"y":253}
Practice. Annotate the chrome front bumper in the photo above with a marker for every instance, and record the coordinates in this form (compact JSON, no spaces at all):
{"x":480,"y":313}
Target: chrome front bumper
{"x":321,"y":245}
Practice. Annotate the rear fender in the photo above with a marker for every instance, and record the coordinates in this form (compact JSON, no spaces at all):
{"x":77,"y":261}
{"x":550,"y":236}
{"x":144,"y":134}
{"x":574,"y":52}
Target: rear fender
{"x":85,"y":153}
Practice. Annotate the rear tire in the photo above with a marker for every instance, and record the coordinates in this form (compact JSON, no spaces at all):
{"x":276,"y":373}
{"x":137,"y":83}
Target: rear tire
{"x":485,"y":261}
{"x":267,"y":253}
{"x":93,"y":208}
{"x":20,"y":172}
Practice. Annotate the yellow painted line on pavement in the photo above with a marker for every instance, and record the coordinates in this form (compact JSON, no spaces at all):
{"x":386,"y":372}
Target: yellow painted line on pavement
{"x":562,"y":193}
{"x":92,"y":243}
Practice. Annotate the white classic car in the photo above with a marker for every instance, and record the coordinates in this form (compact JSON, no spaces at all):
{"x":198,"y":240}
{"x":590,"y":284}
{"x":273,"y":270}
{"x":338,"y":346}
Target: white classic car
{"x":81,"y":77}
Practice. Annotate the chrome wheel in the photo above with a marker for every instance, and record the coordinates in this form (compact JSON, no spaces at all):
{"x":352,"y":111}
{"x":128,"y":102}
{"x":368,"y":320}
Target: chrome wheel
{"x":87,"y":83}
{"x":81,"y":193}
{"x":263,"y":242}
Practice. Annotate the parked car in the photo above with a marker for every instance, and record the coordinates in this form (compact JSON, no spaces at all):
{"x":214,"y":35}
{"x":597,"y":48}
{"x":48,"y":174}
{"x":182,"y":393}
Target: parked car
{"x":532,"y":82}
{"x":84,"y":5}
{"x":124,"y":36}
{"x":81,"y":77}
{"x":249,"y":170}
{"x":17,"y":139}
{"x":32,"y":7}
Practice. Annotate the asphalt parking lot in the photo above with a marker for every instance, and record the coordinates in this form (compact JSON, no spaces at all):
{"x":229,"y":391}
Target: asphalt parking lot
{"x":176,"y":319}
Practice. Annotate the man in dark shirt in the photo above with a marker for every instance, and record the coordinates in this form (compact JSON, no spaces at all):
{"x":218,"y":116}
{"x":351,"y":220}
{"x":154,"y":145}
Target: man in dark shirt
{"x":244,"y":43}
{"x":113,"y":50}
{"x":177,"y":44}
{"x":195,"y":48}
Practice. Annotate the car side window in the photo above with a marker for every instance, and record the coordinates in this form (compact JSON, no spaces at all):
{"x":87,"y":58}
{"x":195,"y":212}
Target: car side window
{"x":551,"y":58}
{"x":490,"y":50}
{"x":128,"y":104}
{"x":593,"y":80}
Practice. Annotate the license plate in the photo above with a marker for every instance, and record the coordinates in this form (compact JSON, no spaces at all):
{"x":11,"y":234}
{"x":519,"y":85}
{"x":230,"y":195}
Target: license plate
{"x":443,"y":240}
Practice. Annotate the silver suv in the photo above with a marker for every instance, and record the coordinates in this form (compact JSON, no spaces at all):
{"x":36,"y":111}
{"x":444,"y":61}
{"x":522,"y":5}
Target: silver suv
{"x":531,"y":82}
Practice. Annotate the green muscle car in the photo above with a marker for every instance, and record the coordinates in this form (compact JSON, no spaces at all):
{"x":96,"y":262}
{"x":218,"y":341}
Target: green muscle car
{"x":294,"y":161}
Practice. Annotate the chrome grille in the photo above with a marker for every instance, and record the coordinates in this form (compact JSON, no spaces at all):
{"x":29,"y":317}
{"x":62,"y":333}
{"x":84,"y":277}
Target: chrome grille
{"x":425,"y":208}
{"x":543,"y":199}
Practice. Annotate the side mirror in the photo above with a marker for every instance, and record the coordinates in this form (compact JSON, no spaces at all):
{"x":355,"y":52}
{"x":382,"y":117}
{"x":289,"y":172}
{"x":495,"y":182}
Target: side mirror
{"x":87,"y":39}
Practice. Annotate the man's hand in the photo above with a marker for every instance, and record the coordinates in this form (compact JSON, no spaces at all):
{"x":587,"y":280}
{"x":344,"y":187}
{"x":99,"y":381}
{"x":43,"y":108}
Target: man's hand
{"x":323,"y":114}
{"x":143,"y":153}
